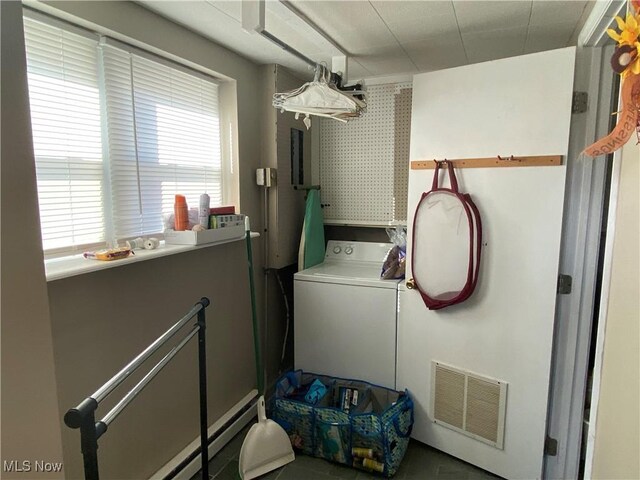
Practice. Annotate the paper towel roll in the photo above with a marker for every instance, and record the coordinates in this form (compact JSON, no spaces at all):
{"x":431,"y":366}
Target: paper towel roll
{"x":151,"y":243}
{"x":136,"y":243}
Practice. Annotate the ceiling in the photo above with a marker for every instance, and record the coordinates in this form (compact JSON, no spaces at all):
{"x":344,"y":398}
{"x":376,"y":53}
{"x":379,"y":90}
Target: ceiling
{"x":387,"y":37}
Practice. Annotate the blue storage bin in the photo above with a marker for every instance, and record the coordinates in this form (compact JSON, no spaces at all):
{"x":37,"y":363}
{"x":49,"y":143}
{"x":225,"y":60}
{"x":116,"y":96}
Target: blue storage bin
{"x":355,"y":423}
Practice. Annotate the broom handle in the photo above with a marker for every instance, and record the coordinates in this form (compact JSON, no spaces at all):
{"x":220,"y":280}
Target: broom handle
{"x":254,"y":314}
{"x":262,"y":413}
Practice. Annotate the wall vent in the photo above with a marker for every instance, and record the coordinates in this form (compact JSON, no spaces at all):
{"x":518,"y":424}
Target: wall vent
{"x":469,"y":403}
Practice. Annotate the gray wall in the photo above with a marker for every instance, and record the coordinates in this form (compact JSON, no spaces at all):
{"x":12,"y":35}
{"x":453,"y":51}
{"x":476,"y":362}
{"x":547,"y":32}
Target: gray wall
{"x":30,"y":427}
{"x":102,"y":320}
{"x":98,"y":321}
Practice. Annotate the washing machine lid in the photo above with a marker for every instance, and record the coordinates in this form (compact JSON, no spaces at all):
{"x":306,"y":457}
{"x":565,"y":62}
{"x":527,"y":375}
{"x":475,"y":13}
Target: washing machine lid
{"x":346,"y":273}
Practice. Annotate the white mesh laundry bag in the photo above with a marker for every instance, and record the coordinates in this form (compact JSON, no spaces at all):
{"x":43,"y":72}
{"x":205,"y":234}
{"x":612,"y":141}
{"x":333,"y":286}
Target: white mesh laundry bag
{"x":447,"y":241}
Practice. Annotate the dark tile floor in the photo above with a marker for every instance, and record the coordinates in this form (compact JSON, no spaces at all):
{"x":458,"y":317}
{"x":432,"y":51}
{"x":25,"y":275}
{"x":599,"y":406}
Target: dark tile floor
{"x":420,"y":462}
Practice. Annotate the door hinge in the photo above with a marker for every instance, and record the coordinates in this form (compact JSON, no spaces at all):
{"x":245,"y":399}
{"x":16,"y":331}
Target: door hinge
{"x":579,"y":102}
{"x":564,"y":284}
{"x":550,"y":446}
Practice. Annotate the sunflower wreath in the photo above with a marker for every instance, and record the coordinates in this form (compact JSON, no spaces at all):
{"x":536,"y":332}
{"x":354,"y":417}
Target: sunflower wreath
{"x":625,"y":61}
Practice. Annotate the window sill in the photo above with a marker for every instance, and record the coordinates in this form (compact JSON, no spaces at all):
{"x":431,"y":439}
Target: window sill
{"x":64,"y":267}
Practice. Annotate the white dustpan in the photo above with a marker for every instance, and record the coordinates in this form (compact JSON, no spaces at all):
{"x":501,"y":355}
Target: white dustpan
{"x":265,"y":448}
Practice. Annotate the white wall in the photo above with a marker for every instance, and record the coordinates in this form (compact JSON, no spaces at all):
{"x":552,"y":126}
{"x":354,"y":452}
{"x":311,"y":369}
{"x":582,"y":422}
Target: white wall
{"x":30,"y":422}
{"x":100,"y":320}
{"x":617,"y":430}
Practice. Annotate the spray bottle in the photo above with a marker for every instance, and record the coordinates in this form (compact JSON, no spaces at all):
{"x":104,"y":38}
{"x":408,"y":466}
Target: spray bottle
{"x":203,"y":213}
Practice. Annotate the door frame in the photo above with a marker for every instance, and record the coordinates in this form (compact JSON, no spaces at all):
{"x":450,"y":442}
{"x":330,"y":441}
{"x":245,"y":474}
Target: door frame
{"x":582,"y":225}
{"x":602,"y":314}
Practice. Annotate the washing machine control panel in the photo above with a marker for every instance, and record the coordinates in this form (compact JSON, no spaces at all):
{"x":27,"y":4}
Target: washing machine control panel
{"x":356,"y":251}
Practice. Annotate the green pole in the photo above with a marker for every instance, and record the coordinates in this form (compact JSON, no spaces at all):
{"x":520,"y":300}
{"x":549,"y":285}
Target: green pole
{"x":254,"y":314}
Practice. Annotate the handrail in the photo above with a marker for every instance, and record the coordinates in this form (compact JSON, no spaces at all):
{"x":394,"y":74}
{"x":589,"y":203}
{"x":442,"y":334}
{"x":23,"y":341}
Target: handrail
{"x":83,"y":416}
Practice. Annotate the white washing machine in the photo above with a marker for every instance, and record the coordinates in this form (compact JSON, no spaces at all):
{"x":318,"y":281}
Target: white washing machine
{"x":345,"y":315}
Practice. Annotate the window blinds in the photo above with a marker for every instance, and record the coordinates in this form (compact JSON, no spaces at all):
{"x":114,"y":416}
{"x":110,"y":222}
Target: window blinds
{"x":116,"y":136}
{"x":66,"y":125}
{"x":171,"y":143}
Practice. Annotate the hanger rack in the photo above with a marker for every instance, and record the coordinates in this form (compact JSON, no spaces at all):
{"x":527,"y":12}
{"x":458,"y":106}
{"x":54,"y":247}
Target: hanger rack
{"x":491,"y":162}
{"x":83,"y":416}
{"x":320,"y":98}
{"x":288,"y":48}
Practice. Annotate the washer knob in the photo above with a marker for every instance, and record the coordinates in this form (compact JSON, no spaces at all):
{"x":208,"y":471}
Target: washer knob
{"x":337,"y":249}
{"x":348,"y":250}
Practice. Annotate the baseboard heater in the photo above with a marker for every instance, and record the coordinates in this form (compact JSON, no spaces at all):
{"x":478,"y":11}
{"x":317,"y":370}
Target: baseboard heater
{"x":187,"y":463}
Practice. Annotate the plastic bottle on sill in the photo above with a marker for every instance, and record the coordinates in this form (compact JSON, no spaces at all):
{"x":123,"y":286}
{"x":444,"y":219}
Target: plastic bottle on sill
{"x":204,"y":210}
{"x":181,"y":213}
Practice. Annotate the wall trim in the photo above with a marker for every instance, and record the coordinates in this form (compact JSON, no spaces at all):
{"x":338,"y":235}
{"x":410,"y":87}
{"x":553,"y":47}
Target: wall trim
{"x":223,"y":437}
{"x":593,"y":33}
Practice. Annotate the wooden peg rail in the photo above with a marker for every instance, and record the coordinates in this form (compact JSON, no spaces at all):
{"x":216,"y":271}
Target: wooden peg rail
{"x":498,"y":161}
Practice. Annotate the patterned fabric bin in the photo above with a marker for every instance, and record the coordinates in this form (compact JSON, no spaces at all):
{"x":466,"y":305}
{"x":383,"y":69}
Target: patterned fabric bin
{"x":354,"y":422}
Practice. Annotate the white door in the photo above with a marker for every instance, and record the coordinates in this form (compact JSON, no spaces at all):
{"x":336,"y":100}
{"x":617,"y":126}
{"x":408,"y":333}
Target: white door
{"x":518,"y":106}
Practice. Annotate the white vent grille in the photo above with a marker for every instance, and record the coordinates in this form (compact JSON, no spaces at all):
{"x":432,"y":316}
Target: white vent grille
{"x":483,"y":408}
{"x":469,"y":403}
{"x":449,"y":403}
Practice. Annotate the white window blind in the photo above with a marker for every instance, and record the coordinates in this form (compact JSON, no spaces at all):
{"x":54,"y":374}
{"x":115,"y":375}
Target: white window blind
{"x":116,"y":136}
{"x":170,"y":143}
{"x":65,"y":118}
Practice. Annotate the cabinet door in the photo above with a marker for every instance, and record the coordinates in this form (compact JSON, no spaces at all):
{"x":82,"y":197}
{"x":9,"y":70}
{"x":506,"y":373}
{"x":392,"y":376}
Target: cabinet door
{"x":515,"y":106}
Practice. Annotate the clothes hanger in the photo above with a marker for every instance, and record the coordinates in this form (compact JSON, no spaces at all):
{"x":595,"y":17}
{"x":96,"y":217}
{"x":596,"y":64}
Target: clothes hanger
{"x":321,"y":98}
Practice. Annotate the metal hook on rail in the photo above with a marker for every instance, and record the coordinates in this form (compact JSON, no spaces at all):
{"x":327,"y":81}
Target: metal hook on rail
{"x":511,"y":158}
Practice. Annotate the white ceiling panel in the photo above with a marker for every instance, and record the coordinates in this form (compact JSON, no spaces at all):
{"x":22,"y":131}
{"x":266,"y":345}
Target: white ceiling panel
{"x":437,"y":53}
{"x":385,"y":59}
{"x":209,"y":21}
{"x":412,"y":21}
{"x":382,"y":66}
{"x":387,"y":37}
{"x":544,"y":13}
{"x":484,"y":46}
{"x":221,"y":22}
{"x":355,"y":25}
{"x":484,"y":16}
{"x":357,"y":71}
{"x":547,"y":37}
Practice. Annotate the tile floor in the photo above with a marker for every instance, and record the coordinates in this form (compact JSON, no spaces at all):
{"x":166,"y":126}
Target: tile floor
{"x":420,"y":462}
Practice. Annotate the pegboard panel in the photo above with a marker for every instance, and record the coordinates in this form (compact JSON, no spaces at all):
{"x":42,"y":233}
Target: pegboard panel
{"x":364,"y":164}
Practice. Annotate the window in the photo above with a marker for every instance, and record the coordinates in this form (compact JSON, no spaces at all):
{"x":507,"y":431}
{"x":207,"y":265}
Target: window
{"x":116,"y":135}
{"x":65,"y":117}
